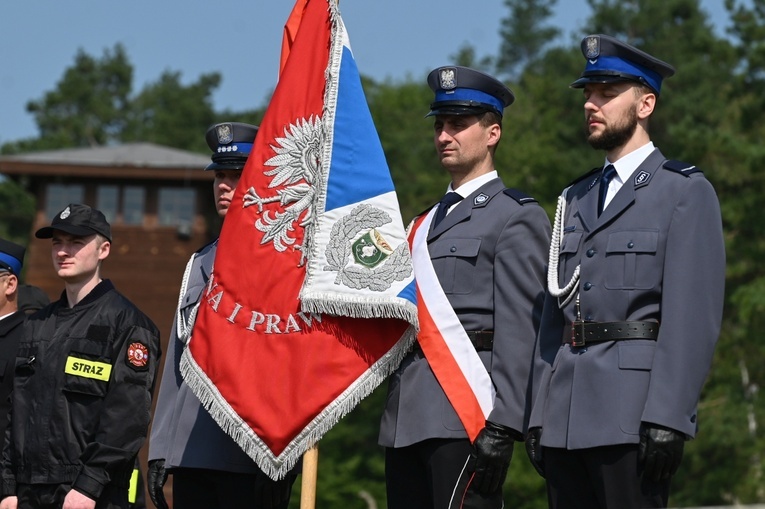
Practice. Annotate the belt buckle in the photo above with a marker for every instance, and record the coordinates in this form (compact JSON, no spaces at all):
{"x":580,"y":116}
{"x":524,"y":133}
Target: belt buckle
{"x":574,"y":325}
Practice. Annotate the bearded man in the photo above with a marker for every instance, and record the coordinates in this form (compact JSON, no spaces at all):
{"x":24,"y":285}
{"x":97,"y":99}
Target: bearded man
{"x":633,"y":305}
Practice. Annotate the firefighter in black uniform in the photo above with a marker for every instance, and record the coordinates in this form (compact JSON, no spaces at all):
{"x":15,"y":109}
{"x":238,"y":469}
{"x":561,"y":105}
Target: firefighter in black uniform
{"x":85,"y":371}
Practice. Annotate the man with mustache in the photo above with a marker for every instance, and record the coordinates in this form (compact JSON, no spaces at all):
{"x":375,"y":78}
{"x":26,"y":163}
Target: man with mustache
{"x":634,"y":301}
{"x":480,"y":269}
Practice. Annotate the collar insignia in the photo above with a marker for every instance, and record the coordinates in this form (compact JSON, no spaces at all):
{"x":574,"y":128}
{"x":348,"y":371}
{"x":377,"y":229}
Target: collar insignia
{"x":481,"y":198}
{"x":642,"y":178}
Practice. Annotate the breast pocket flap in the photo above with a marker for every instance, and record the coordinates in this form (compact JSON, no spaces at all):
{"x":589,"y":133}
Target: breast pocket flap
{"x":639,"y":241}
{"x":462,"y":248}
{"x":570,"y":242}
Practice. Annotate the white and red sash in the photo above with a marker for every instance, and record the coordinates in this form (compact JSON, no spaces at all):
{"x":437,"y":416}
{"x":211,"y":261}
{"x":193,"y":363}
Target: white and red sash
{"x":447,"y":347}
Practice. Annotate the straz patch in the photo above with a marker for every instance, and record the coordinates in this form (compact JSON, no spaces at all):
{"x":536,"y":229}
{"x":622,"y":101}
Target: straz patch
{"x":137,"y":355}
{"x":88,"y":369}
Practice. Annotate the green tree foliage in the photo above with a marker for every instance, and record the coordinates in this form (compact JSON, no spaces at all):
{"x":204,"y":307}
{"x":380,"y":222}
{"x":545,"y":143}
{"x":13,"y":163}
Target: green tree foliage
{"x":93,"y":104}
{"x":172,"y":114}
{"x":18,"y":212}
{"x":524,"y":34}
{"x":407,"y":138}
{"x":88,"y":106}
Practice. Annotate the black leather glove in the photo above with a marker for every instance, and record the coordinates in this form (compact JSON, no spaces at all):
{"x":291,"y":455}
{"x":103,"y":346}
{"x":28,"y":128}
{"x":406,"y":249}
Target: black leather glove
{"x":661,"y":450}
{"x":493,"y":450}
{"x":273,"y":494}
{"x":534,"y":450}
{"x":156,"y":478}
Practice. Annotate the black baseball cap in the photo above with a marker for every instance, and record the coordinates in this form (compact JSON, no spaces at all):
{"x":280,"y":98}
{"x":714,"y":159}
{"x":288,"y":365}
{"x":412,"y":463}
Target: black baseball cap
{"x":77,"y":219}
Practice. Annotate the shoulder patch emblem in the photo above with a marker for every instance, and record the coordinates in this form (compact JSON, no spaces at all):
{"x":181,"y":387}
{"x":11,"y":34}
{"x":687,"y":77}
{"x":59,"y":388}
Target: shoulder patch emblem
{"x":137,"y":355}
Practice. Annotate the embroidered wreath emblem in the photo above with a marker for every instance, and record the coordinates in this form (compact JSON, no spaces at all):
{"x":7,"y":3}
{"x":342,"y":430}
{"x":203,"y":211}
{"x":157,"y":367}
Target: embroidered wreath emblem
{"x":366,"y":260}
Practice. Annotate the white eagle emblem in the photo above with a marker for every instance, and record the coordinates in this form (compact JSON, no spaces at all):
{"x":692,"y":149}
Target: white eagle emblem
{"x":296,"y":170}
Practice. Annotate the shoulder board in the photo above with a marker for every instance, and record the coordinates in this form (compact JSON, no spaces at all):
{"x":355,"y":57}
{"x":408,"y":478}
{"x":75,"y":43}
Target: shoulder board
{"x":681,"y":167}
{"x":519,"y":196}
{"x":582,"y":177}
{"x":206,"y":246}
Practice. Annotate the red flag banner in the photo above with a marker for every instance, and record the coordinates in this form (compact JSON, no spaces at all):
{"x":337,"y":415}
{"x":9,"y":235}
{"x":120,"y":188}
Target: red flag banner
{"x":311,"y":303}
{"x":290,"y":31}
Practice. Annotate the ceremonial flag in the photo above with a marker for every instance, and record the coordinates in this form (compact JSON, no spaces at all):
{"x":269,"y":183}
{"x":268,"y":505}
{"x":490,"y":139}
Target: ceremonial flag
{"x":311,"y":303}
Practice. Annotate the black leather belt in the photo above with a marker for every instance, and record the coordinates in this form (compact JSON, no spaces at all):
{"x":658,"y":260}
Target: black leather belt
{"x":584,"y":333}
{"x":483,"y":340}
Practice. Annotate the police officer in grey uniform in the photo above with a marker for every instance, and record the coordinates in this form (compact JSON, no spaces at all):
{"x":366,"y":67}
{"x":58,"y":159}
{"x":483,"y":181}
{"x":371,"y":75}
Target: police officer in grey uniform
{"x":634,"y":302}
{"x":209,"y":469}
{"x":488,"y":253}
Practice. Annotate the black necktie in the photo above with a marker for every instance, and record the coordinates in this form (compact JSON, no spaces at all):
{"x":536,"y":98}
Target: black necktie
{"x":608,"y":173}
{"x":447,"y":201}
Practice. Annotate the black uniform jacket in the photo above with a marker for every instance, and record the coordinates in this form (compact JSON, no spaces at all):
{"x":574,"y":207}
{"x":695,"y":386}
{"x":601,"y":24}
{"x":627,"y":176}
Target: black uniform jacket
{"x":82,"y":394}
{"x":11,"y":330}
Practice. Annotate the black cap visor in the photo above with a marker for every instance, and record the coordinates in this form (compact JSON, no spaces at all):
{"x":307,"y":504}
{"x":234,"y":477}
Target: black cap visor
{"x":227,"y":161}
{"x":78,"y":231}
{"x":221,"y":166}
{"x":460,"y":108}
{"x":609,"y":77}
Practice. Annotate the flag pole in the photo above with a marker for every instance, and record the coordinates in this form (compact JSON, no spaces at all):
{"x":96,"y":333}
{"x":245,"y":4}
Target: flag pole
{"x":308,"y":478}
{"x":310,"y":469}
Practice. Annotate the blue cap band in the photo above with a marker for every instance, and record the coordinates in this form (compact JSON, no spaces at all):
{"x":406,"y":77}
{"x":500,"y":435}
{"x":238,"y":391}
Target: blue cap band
{"x":7,"y":260}
{"x":619,"y":65}
{"x":241,"y":148}
{"x":470,"y":94}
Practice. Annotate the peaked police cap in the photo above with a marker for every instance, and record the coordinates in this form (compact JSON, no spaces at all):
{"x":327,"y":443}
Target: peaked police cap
{"x":611,"y":60}
{"x":465,"y":91}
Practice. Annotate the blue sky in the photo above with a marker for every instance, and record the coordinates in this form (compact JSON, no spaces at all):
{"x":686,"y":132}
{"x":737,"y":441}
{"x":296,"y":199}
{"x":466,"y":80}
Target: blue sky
{"x":391,"y":39}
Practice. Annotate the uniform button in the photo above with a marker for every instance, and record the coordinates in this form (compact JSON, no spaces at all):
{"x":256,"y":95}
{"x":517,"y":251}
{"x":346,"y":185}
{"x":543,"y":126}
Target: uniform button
{"x":587,"y":318}
{"x":590,"y":253}
{"x":452,"y":249}
{"x":693,"y":418}
{"x":631,"y":245}
{"x":587,"y":286}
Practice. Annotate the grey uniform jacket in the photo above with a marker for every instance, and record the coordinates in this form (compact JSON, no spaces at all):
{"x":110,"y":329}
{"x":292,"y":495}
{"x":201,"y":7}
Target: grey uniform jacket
{"x":183,"y":433}
{"x":489,"y":255}
{"x":656,"y":253}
